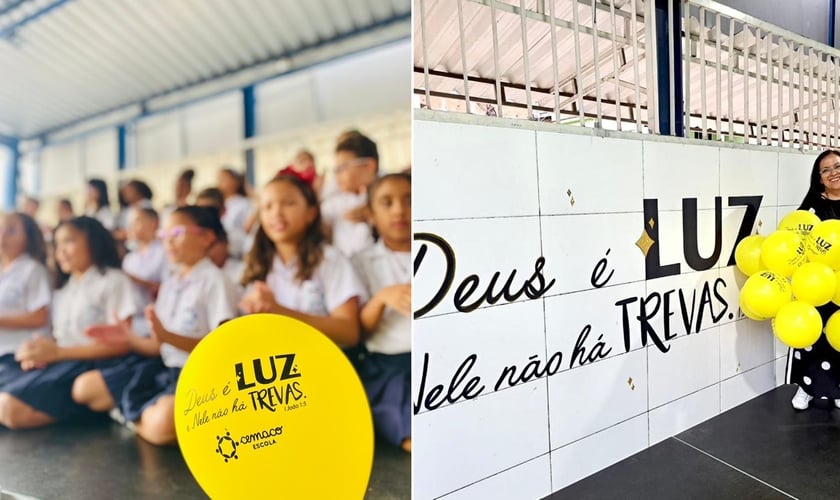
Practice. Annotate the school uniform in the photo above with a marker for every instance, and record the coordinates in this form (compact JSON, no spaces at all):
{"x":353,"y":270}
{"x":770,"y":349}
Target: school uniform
{"x":237,"y":210}
{"x":24,"y":288}
{"x":191,"y":306}
{"x":384,"y":360}
{"x":90,"y":299}
{"x":234,"y":269}
{"x":104,"y":216}
{"x":148,"y":264}
{"x":333,"y":283}
{"x":122,"y":218}
{"x":347,"y":236}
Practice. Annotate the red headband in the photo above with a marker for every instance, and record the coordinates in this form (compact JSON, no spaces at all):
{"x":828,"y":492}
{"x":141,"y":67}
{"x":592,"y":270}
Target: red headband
{"x":307,"y":176}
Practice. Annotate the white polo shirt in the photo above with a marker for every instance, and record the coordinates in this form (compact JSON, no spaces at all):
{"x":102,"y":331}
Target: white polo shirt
{"x":234,"y":269}
{"x":149,"y":264}
{"x":91,"y":299}
{"x":349,"y":237}
{"x":24,"y":288}
{"x":194,"y":305}
{"x":381,"y":267}
{"x":237,"y":210}
{"x":104,"y":216}
{"x":334,"y":282}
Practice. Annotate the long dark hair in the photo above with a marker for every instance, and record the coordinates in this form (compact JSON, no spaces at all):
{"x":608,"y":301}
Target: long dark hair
{"x":101,"y":192}
{"x":101,"y":245}
{"x":142,"y":188}
{"x":239,"y":178}
{"x":35,"y":246}
{"x":816,"y":188}
{"x":310,"y":248}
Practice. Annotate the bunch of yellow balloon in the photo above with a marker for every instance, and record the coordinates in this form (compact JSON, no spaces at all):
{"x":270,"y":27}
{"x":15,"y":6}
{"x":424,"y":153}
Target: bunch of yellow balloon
{"x":790,"y":273}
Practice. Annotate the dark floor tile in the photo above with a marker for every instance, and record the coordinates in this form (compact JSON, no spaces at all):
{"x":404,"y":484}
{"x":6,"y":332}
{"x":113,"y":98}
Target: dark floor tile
{"x":798,"y":452}
{"x":668,"y":470}
{"x":91,"y":462}
{"x":391,"y":476}
{"x":108,"y":461}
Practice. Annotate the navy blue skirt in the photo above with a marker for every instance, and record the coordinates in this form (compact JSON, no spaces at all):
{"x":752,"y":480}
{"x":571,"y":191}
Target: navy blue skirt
{"x":118,"y":377}
{"x":49,"y":390}
{"x":136,"y":388}
{"x":387,"y":382}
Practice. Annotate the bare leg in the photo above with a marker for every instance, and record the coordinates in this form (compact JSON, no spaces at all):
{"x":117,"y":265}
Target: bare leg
{"x":157,"y":423}
{"x":15,"y":414}
{"x":89,"y":389}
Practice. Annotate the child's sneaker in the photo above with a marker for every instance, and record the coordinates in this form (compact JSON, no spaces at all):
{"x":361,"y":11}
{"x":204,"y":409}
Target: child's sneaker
{"x":117,"y":416}
{"x":802,"y":399}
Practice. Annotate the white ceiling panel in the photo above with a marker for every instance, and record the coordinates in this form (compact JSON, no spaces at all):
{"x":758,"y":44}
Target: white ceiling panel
{"x":63,"y":61}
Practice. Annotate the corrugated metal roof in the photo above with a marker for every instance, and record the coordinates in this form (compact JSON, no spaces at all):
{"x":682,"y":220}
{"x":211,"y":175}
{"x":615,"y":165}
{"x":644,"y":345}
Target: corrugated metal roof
{"x":742,"y":76}
{"x":64,"y":60}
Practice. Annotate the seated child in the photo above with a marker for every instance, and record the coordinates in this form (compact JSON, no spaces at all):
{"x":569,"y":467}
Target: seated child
{"x":385,"y":361}
{"x":25,"y":289}
{"x":345,"y":212}
{"x":92,"y":290}
{"x":291,"y":271}
{"x":145,"y":265}
{"x":192,"y":301}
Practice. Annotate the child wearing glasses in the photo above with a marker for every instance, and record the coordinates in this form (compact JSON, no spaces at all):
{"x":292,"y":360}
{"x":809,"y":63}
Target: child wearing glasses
{"x":25,"y":290}
{"x":345,"y":212}
{"x":291,"y":271}
{"x":816,"y":369}
{"x":91,"y":290}
{"x":145,"y":265}
{"x":384,"y":358}
{"x":192,"y":301}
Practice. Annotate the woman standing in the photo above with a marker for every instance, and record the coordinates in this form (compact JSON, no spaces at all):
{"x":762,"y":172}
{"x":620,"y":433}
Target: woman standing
{"x":816,"y":369}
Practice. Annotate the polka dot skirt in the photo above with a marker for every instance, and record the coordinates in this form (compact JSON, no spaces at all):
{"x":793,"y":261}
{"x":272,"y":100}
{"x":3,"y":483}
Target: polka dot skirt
{"x":816,"y":369}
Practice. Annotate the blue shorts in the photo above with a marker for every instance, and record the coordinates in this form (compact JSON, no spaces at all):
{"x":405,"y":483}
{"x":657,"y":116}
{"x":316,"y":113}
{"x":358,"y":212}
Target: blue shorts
{"x":139,"y":386}
{"x":49,"y":390}
{"x":387,"y":382}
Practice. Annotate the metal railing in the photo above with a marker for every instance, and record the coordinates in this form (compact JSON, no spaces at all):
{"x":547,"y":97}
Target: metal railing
{"x":724,"y":75}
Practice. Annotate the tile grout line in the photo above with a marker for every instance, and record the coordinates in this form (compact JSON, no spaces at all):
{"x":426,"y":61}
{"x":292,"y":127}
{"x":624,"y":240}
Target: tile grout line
{"x":450,"y":405}
{"x":735,"y":468}
{"x":647,"y":294}
{"x":545,"y":319}
{"x":492,"y":475}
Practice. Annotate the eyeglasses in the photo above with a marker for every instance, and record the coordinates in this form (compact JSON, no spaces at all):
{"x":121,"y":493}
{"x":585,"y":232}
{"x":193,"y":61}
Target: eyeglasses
{"x":828,"y":170}
{"x":176,"y":231}
{"x":349,"y":164}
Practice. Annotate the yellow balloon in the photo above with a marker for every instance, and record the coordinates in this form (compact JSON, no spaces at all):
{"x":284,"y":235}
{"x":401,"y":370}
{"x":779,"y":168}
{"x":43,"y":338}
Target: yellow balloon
{"x":764,"y":294}
{"x":799,"y":221}
{"x":268,"y":407}
{"x":748,"y":254}
{"x":823,"y":244}
{"x":836,"y":298}
{"x":749,"y":312}
{"x":783,"y":252}
{"x":814,"y":283}
{"x":798,"y":324}
{"x":832,"y":330}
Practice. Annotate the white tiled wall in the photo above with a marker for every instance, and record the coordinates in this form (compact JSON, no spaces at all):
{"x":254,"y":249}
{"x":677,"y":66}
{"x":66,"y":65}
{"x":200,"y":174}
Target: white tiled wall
{"x":474,"y":440}
{"x":529,"y":480}
{"x":504,"y":195}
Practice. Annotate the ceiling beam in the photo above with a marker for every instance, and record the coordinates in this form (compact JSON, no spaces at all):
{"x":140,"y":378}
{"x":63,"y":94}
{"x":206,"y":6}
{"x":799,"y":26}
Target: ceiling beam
{"x":9,"y":31}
